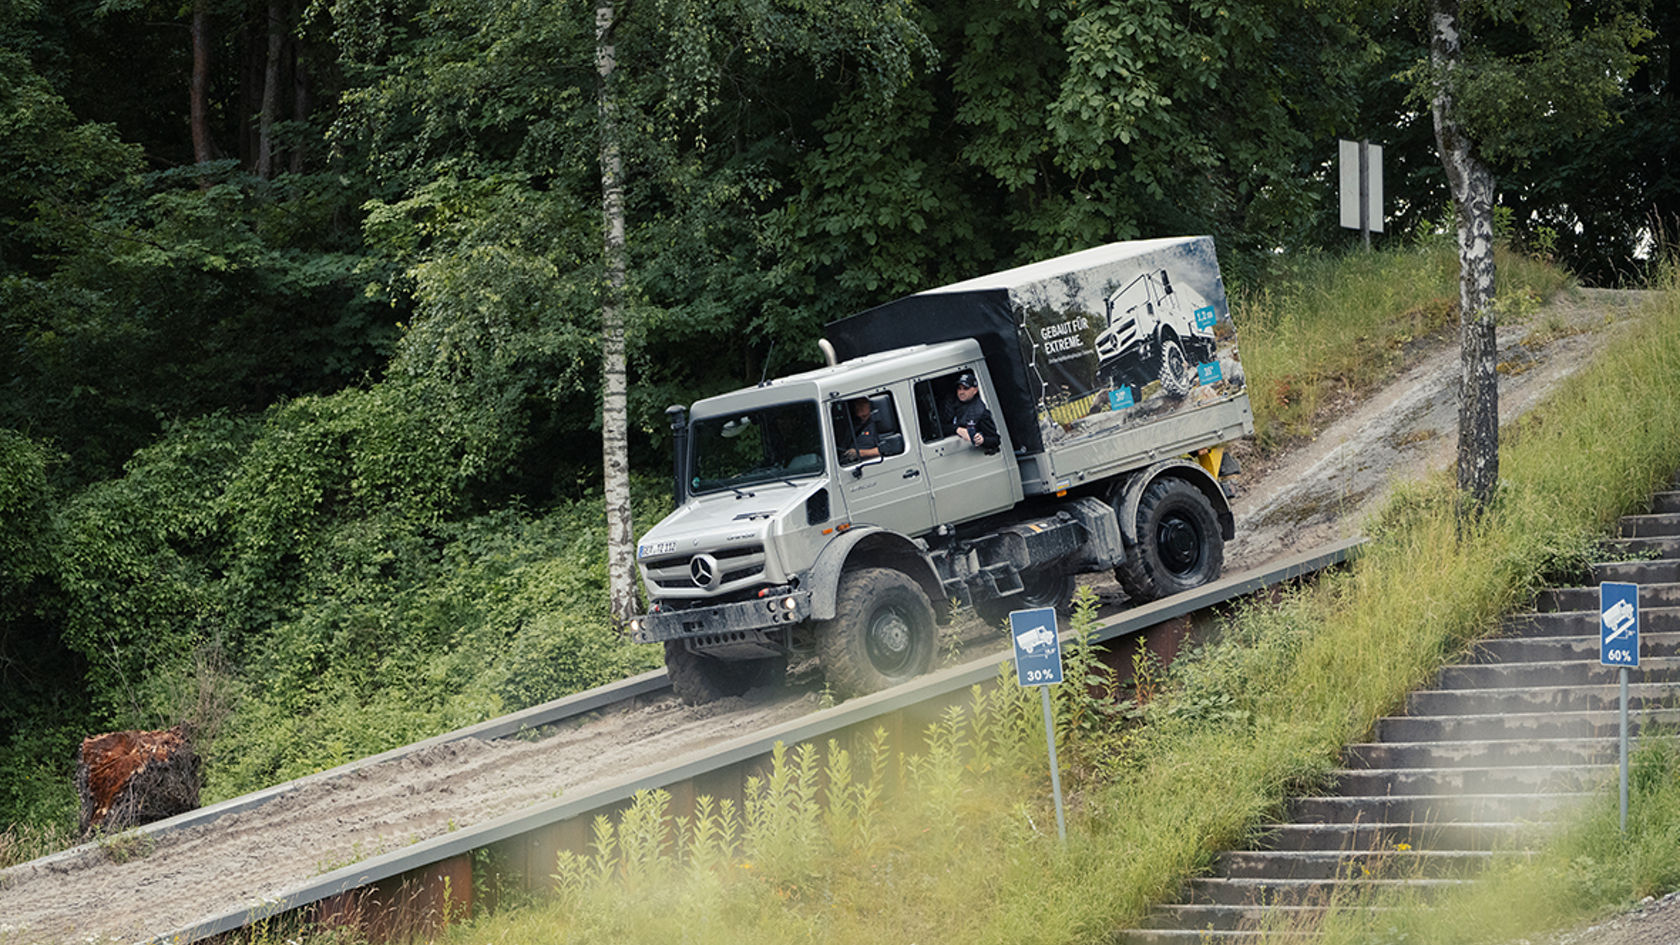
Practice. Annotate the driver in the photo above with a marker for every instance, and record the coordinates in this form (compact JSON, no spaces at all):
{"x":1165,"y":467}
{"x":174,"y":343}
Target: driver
{"x":864,"y":442}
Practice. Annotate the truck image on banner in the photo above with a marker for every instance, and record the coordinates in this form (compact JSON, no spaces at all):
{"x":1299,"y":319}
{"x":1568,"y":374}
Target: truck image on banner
{"x":978,"y":444}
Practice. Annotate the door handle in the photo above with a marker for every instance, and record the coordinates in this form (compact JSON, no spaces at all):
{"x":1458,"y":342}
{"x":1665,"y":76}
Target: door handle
{"x":912,"y":473}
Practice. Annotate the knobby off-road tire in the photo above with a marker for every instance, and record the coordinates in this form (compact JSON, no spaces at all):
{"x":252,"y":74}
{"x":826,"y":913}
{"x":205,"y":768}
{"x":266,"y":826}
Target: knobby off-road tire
{"x":1179,"y":544}
{"x":1175,"y":369}
{"x":697,"y":678}
{"x":882,"y":633}
{"x":1045,"y":587}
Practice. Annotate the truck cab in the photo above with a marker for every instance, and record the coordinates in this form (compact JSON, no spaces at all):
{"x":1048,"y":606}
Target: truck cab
{"x":774,"y":494}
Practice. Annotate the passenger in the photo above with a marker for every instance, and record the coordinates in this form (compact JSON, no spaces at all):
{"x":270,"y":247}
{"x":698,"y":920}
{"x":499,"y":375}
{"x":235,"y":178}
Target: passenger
{"x":972,"y":419}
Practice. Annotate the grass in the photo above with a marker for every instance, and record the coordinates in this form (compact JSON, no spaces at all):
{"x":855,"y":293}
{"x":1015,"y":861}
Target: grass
{"x":20,"y":843}
{"x":1326,"y":326}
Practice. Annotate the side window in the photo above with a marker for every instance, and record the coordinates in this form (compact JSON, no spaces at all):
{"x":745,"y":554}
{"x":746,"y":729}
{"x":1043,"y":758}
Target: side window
{"x":936,"y":405}
{"x":866,"y":426}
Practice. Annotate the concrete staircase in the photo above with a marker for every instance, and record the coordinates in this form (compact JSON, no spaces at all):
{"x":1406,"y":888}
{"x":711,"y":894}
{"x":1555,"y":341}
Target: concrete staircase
{"x":1471,"y":774}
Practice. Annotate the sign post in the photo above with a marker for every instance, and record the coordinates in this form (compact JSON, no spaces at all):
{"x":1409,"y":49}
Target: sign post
{"x":1618,"y":645}
{"x":1038,"y":662}
{"x":1361,"y":187}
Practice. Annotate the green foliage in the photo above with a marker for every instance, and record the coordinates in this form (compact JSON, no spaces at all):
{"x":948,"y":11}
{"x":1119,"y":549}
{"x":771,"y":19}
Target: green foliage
{"x":25,"y":510}
{"x":169,"y":300}
{"x":1535,"y":73}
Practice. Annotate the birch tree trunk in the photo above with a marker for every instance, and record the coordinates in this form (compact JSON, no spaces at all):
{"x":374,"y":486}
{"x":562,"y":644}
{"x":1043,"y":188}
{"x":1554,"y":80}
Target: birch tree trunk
{"x":615,"y":461}
{"x":1472,"y":190}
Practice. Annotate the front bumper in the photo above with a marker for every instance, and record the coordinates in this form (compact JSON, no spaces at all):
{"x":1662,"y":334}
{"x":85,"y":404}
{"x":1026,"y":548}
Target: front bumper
{"x":724,"y":624}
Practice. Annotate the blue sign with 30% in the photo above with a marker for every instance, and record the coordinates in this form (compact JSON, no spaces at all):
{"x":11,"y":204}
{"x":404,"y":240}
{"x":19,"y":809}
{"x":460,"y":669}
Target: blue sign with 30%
{"x":1038,"y":648}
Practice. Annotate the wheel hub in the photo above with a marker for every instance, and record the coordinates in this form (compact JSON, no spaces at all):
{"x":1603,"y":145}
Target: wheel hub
{"x":889,"y":638}
{"x":1180,"y":544}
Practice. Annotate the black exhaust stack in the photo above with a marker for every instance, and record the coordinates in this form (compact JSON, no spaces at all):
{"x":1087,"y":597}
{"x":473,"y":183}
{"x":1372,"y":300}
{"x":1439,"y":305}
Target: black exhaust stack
{"x":678,"y":415}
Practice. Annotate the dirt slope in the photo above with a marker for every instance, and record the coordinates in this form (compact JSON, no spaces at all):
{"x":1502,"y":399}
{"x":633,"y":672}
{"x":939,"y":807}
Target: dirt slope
{"x":1312,"y":495}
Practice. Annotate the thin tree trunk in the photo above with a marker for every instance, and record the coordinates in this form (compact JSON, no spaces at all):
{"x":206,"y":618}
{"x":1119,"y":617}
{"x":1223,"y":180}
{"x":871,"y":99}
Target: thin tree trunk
{"x":300,"y":104}
{"x":1472,"y":190}
{"x":621,"y":589}
{"x":200,"y":107}
{"x":270,"y":90}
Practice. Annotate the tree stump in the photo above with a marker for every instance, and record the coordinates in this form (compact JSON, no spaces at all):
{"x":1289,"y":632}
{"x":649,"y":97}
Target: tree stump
{"x":130,"y":778}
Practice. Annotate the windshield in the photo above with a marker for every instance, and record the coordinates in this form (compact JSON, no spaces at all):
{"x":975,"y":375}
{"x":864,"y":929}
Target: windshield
{"x":765,"y":444}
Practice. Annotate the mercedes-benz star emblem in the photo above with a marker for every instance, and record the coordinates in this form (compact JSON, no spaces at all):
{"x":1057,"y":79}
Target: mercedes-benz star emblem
{"x":704,"y":570}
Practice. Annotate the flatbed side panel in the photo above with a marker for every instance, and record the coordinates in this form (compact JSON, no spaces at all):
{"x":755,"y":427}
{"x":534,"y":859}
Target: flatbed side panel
{"x":1115,"y":449}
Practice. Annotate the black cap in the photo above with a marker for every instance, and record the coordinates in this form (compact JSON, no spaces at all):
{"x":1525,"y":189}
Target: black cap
{"x":966,"y":380}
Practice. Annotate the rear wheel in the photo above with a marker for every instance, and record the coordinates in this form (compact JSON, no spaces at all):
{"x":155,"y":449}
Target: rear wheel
{"x":882,"y":633}
{"x":1179,"y":545}
{"x":697,"y":678}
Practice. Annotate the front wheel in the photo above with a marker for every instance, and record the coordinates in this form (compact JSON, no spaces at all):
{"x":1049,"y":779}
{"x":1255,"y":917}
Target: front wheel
{"x":1175,"y":369}
{"x":1179,"y":545}
{"x":697,"y":678}
{"x":882,"y":633}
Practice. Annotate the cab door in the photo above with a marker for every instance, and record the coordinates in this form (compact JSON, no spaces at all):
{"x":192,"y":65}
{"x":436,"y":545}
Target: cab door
{"x":890,"y":491}
{"x":966,"y":483}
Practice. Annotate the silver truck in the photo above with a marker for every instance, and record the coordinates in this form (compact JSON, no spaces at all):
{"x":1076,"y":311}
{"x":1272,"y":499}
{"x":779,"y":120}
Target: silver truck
{"x":798,"y":532}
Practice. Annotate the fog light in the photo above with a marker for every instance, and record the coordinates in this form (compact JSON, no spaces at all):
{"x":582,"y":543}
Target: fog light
{"x":788,"y":603}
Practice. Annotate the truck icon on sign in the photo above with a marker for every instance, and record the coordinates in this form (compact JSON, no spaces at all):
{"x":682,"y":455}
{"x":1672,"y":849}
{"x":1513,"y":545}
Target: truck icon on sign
{"x":1619,"y":620}
{"x":1034,"y":639}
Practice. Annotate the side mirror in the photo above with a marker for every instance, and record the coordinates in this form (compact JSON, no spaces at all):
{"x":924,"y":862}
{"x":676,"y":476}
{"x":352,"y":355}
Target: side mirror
{"x":857,"y":471}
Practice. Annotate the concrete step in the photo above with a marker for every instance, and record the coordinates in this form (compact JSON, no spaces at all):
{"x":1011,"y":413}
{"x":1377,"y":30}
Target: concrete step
{"x":1472,"y":779}
{"x":1665,"y":594}
{"x":1234,"y":891}
{"x":1212,"y":917}
{"x":1449,"y":728}
{"x":1667,"y":546}
{"x":1332,"y":864}
{"x":1651,"y":571}
{"x":1426,"y":808}
{"x":1659,"y":669}
{"x":1564,"y":752}
{"x":1363,"y":837}
{"x":1206,"y":937}
{"x":1654,"y":525}
{"x":1598,"y":696}
{"x":1666,"y":502}
{"x":1584,"y":648}
{"x":1571,"y":623}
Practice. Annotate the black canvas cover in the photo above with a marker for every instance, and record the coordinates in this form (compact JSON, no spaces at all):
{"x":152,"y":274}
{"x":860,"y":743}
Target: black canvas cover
{"x":985,"y":315}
